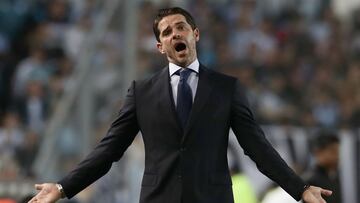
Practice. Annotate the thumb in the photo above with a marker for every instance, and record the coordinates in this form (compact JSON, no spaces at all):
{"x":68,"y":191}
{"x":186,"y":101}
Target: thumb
{"x":39,"y":186}
{"x":326,"y":192}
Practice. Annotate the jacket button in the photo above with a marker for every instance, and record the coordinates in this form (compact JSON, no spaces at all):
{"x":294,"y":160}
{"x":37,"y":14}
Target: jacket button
{"x":179,"y":177}
{"x":183,"y":149}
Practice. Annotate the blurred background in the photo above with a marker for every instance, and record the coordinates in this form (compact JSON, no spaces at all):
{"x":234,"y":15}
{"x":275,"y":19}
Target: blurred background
{"x":65,"y":66}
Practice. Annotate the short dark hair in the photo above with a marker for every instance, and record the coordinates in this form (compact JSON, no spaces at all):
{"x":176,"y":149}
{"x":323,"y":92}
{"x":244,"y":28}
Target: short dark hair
{"x":323,"y":140}
{"x":171,"y":11}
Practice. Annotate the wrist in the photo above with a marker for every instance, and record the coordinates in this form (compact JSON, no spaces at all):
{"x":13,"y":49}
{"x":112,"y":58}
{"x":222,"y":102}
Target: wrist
{"x":305,"y":188}
{"x":61,"y":190}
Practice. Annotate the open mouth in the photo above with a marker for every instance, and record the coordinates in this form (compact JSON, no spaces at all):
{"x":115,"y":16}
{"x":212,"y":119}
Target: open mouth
{"x":180,"y":47}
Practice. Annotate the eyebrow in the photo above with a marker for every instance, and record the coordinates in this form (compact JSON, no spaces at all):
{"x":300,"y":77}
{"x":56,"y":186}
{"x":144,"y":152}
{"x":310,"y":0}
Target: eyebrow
{"x":177,"y":23}
{"x":181,"y":22}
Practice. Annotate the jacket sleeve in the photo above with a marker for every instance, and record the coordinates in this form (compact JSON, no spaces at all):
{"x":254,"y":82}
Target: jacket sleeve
{"x":110,"y":149}
{"x":256,"y":146}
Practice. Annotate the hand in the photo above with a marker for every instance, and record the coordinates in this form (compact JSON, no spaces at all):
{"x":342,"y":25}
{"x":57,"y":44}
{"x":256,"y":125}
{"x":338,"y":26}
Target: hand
{"x":313,"y":195}
{"x":48,"y":193}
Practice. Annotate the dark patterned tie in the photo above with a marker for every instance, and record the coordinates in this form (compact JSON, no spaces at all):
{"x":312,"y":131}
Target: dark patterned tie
{"x":184,"y":97}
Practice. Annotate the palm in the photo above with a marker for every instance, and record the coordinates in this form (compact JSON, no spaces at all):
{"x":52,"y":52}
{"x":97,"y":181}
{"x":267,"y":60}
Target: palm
{"x":314,"y":198}
{"x":48,"y":194}
{"x":313,"y":195}
{"x":45,"y":195}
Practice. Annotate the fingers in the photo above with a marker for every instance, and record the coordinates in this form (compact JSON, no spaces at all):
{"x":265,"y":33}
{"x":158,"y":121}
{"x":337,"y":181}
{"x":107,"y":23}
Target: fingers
{"x":33,"y":200}
{"x":326,"y":192}
{"x":38,"y":186}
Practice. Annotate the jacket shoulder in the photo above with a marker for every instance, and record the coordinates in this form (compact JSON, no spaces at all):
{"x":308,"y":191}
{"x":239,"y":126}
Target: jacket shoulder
{"x":220,"y":78}
{"x":152,"y":79}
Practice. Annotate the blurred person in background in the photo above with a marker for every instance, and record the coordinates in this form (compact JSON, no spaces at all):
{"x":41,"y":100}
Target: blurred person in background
{"x":240,"y":182}
{"x":59,"y":79}
{"x":26,"y":153}
{"x":11,"y":139}
{"x":11,"y":134}
{"x":33,"y":106}
{"x":185,"y":145}
{"x":32,"y":67}
{"x":325,"y":173}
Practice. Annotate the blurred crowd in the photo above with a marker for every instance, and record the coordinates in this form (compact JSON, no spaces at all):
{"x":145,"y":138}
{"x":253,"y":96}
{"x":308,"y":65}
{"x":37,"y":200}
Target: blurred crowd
{"x":39,"y":43}
{"x":300,"y":63}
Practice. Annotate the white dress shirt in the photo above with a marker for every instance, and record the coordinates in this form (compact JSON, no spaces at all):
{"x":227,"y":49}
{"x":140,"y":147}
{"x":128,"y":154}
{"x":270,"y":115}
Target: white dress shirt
{"x":192,"y":80}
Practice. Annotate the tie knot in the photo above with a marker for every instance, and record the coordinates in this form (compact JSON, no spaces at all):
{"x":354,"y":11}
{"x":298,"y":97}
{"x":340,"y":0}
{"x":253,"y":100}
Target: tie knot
{"x":184,"y":73}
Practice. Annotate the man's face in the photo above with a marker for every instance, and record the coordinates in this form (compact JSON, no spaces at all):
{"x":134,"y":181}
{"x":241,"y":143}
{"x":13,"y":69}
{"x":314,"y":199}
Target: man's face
{"x":329,"y":156}
{"x":177,"y":40}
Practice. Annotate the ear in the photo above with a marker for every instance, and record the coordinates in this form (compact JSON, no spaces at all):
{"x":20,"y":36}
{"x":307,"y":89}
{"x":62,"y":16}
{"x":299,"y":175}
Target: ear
{"x":197,"y":34}
{"x":160,"y":48}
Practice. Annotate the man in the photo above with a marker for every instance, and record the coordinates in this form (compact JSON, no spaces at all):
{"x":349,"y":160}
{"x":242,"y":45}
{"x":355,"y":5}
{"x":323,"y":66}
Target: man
{"x":184,"y":114}
{"x":325,"y":148}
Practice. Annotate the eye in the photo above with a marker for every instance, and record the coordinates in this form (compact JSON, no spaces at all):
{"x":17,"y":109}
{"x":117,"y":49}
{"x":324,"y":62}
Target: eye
{"x":180,"y":27}
{"x":166,"y":32}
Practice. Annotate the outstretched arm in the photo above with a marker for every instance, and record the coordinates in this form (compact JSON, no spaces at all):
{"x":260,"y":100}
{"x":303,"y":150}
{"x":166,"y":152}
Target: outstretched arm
{"x":110,"y":149}
{"x":256,"y":146}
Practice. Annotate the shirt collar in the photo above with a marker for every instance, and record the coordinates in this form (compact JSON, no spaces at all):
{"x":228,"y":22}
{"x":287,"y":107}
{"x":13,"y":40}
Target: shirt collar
{"x":193,"y":66}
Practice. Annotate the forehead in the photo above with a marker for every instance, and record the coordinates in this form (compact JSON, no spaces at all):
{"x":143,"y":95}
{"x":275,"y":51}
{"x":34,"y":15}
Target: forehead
{"x":171,"y":20}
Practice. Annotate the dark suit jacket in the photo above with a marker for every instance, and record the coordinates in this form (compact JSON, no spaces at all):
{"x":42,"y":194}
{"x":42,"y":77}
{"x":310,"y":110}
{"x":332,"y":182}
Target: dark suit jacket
{"x":191,"y":163}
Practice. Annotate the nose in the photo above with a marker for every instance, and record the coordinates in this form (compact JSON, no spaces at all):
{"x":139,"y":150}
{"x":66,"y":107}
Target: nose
{"x":176,"y":35}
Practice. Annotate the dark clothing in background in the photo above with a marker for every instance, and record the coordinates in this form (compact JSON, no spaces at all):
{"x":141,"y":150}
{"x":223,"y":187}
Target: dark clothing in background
{"x":319,"y":177}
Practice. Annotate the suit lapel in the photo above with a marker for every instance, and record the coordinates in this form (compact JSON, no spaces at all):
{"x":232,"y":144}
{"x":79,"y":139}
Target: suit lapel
{"x":166,"y":100}
{"x":202,"y":94}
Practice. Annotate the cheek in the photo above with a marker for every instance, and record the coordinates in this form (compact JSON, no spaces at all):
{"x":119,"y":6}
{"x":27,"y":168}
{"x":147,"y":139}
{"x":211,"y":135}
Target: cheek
{"x":332,"y":157}
{"x":167,"y":46}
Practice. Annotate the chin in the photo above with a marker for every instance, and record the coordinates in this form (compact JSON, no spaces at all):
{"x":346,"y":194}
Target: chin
{"x":180,"y":60}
